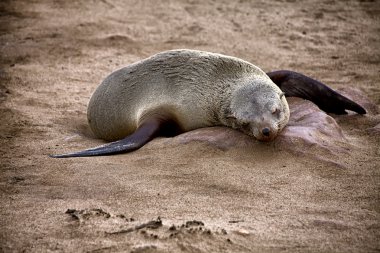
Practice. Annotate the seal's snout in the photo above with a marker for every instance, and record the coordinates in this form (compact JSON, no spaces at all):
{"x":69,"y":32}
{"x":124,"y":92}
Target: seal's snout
{"x":267,"y":134}
{"x":266,"y":131}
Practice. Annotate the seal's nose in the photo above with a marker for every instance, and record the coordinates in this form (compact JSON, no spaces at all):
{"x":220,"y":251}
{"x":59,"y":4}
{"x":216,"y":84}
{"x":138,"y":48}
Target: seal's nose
{"x":266,"y":131}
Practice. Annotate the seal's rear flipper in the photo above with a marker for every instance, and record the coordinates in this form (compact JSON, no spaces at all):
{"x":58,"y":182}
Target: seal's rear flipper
{"x":297,"y":85}
{"x":150,"y":128}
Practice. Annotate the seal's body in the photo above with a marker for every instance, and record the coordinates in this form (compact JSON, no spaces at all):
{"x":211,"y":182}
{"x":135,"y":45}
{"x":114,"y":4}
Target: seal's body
{"x":196,"y":88}
{"x":181,"y":90}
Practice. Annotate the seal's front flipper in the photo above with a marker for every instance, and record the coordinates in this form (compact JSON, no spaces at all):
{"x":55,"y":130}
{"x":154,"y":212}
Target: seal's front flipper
{"x":150,"y":128}
{"x":297,"y":85}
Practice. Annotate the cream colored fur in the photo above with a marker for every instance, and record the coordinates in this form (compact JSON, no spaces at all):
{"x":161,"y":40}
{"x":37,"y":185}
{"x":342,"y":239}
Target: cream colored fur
{"x":200,"y":88}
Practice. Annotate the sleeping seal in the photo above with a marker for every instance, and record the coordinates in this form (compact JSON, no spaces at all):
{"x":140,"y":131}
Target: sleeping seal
{"x":182,"y":90}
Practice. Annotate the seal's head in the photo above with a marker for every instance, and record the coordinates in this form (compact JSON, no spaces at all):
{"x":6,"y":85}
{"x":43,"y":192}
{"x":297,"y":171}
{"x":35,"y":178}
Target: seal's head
{"x":259,"y":109}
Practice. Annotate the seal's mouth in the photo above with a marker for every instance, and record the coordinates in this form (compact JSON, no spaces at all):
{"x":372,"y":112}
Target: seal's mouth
{"x":266,"y":139}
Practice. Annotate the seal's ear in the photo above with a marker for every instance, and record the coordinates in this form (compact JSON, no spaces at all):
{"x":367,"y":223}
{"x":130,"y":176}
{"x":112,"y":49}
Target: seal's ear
{"x":282,"y":94}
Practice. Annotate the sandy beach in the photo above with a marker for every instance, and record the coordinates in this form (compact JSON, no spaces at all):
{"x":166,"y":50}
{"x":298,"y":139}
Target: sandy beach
{"x":208,"y":190}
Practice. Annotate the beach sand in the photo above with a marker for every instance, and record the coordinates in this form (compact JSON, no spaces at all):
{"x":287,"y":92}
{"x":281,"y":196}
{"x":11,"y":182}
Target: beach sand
{"x":210,"y":190}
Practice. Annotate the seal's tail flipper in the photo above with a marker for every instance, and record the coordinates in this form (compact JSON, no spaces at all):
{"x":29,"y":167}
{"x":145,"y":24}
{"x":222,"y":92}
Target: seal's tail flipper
{"x":297,"y":85}
{"x":149,"y":129}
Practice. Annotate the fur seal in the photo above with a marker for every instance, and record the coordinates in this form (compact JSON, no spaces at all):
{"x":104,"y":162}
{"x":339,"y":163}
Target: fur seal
{"x":181,"y":90}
